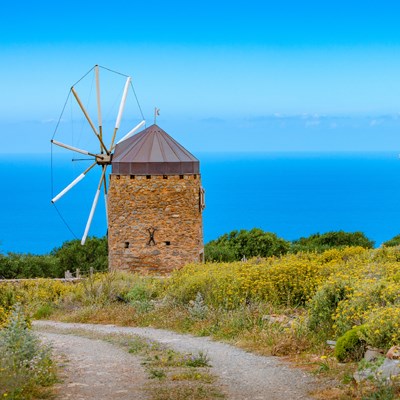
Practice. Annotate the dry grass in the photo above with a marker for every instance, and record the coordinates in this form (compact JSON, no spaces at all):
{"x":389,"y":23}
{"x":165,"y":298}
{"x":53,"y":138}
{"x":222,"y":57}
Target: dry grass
{"x":332,"y":394}
{"x":244,"y":327}
{"x":193,"y":376}
{"x":187,"y":392}
{"x":114,"y":313}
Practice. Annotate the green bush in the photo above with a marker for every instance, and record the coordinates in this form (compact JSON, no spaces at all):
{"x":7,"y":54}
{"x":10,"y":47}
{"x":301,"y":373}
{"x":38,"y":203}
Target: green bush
{"x":15,"y":266}
{"x":142,"y":293}
{"x":335,"y":239}
{"x":72,"y":255}
{"x":215,"y":252}
{"x":372,"y":302}
{"x":350,"y":347}
{"x":382,"y":327}
{"x":395,"y":241}
{"x":235,"y":245}
{"x":25,"y":364}
{"x":142,"y":288}
{"x":323,"y":305}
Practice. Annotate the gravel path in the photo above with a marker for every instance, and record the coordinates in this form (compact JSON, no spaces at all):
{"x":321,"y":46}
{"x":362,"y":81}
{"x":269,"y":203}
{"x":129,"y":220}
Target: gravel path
{"x":95,"y":369}
{"x":243,"y":375}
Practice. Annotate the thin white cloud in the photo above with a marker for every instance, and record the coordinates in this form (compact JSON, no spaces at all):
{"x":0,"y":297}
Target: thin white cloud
{"x":314,"y":122}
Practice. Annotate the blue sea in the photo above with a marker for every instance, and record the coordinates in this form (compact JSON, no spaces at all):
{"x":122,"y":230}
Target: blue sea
{"x":291,"y":194}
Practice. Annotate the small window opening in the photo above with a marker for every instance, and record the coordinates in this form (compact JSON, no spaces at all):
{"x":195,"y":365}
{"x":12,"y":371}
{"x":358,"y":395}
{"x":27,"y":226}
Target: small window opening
{"x":202,"y":199}
{"x":165,"y":176}
{"x":168,"y":243}
{"x":127,"y":245}
{"x":118,"y":176}
{"x":194,"y":176}
{"x":180,"y":176}
{"x":132,"y":176}
{"x":148,"y":176}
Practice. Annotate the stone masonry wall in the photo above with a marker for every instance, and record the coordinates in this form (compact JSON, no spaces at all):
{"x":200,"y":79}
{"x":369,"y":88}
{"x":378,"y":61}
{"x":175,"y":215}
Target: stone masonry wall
{"x":169,"y":206}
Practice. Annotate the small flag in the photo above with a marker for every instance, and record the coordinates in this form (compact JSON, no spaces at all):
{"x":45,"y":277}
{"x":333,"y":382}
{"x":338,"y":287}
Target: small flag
{"x":156,"y":114}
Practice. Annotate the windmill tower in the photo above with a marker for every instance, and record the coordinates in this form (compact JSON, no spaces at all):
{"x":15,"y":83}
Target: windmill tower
{"x":154,"y":198}
{"x":155,"y":204}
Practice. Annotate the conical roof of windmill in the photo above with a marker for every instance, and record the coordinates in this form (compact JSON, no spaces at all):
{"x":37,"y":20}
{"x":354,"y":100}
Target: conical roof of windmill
{"x":153,"y":152}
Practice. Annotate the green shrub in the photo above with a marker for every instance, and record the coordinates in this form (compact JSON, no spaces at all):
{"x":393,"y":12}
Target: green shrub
{"x":350,"y":346}
{"x":197,"y":308}
{"x":382,"y":327}
{"x":72,"y":255}
{"x":395,"y":241}
{"x":196,"y":361}
{"x":16,"y":265}
{"x":323,"y":305}
{"x":218,"y":252}
{"x":339,"y":239}
{"x":142,"y":292}
{"x":235,"y":245}
{"x":25,"y":364}
{"x":139,"y":292}
{"x":372,"y":302}
{"x":44,"y":311}
{"x":101,"y":288}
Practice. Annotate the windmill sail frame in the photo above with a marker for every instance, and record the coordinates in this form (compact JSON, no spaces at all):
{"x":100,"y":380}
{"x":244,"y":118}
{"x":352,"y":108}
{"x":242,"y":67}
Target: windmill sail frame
{"x":104,"y":157}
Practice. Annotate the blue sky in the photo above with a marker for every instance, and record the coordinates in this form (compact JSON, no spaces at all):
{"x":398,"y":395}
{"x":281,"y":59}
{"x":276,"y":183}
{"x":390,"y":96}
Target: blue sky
{"x":227,"y":76}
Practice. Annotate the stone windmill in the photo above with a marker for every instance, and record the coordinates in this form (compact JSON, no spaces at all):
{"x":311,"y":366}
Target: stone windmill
{"x":154,"y":198}
{"x":155,"y":204}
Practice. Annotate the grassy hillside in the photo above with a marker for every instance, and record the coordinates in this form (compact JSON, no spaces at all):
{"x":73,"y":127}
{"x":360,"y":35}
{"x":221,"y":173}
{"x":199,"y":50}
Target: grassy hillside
{"x":287,"y":305}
